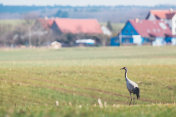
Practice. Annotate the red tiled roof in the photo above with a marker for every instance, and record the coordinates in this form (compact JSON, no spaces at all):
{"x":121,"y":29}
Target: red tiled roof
{"x":75,"y":26}
{"x":163,"y":14}
{"x":148,"y":28}
{"x":46,"y":23}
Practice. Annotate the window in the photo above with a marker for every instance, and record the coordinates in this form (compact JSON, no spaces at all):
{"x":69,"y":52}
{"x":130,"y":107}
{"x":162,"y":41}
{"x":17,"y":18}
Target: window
{"x":126,"y":31}
{"x":163,"y":26}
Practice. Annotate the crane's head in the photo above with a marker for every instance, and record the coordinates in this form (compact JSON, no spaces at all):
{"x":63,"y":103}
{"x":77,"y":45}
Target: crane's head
{"x":123,"y":68}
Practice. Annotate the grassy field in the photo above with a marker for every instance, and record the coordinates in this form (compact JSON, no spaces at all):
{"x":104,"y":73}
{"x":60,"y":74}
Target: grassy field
{"x":12,"y":22}
{"x":33,"y":80}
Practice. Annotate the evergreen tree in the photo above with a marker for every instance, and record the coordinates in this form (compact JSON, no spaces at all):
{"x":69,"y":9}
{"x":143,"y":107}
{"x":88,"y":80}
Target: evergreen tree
{"x":109,"y":26}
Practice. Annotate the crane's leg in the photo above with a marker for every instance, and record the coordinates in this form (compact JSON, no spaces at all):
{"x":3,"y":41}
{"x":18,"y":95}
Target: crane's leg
{"x":133,"y":100}
{"x":130,"y":99}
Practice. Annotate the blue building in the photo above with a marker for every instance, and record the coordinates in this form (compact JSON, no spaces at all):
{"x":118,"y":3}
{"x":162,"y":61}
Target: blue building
{"x":140,"y":32}
{"x":171,"y":39}
{"x":114,"y":41}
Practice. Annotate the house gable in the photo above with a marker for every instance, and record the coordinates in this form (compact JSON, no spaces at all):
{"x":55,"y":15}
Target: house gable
{"x":56,"y":28}
{"x":46,"y":23}
{"x":127,"y":33}
{"x":150,"y":17}
{"x":129,"y":29}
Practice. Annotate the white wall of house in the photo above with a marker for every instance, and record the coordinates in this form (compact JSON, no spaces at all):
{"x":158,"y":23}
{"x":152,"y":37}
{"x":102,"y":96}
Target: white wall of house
{"x":137,"y":39}
{"x":173,"y":41}
{"x":159,"y":41}
{"x":169,"y":22}
{"x":174,"y":25}
{"x":106,"y":31}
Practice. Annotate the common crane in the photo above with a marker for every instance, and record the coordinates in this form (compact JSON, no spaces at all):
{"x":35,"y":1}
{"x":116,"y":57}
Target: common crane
{"x":131,"y":86}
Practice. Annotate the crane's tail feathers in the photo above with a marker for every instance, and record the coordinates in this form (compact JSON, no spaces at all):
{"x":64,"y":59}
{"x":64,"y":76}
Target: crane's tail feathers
{"x":137,"y":92}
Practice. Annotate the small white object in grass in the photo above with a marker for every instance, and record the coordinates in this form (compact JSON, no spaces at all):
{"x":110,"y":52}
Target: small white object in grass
{"x":70,"y":104}
{"x":57,"y":103}
{"x":116,"y":105}
{"x":80,"y":106}
{"x":100,"y":103}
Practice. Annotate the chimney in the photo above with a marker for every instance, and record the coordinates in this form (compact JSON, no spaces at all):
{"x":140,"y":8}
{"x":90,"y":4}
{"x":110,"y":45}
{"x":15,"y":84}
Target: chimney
{"x":46,"y":18}
{"x":136,"y":20}
{"x":171,"y":10}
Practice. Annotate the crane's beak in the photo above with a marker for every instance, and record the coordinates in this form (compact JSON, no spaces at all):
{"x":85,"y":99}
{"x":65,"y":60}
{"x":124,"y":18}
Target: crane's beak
{"x":121,"y":68}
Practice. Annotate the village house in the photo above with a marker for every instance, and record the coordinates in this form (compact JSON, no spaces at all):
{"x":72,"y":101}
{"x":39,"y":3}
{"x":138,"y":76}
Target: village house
{"x":168,"y":16}
{"x":139,"y":32}
{"x":159,"y":28}
{"x":77,"y":26}
{"x":73,"y":26}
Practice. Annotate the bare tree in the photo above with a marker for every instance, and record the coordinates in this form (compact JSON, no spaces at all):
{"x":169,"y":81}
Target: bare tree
{"x":30,"y":19}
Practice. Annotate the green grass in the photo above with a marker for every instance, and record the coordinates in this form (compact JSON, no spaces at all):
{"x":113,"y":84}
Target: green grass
{"x":9,"y":25}
{"x":11,"y":22}
{"x":32,"y":80}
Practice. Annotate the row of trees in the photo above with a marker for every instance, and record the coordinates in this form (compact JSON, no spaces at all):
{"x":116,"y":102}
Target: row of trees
{"x":29,"y":33}
{"x":32,"y":33}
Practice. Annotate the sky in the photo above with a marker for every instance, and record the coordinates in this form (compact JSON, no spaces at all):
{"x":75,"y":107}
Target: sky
{"x":88,"y":2}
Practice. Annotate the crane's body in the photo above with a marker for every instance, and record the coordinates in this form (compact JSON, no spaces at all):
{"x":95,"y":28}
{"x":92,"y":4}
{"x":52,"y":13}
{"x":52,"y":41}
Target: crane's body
{"x":131,"y":86}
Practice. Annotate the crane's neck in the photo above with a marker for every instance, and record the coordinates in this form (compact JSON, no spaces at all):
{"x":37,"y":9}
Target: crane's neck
{"x":126,"y":75}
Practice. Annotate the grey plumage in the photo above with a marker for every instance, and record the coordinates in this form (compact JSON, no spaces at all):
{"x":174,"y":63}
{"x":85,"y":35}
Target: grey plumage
{"x":131,"y":86}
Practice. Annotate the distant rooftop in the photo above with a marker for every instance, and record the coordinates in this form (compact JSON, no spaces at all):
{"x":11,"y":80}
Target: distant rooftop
{"x":163,"y":14}
{"x":148,"y":28}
